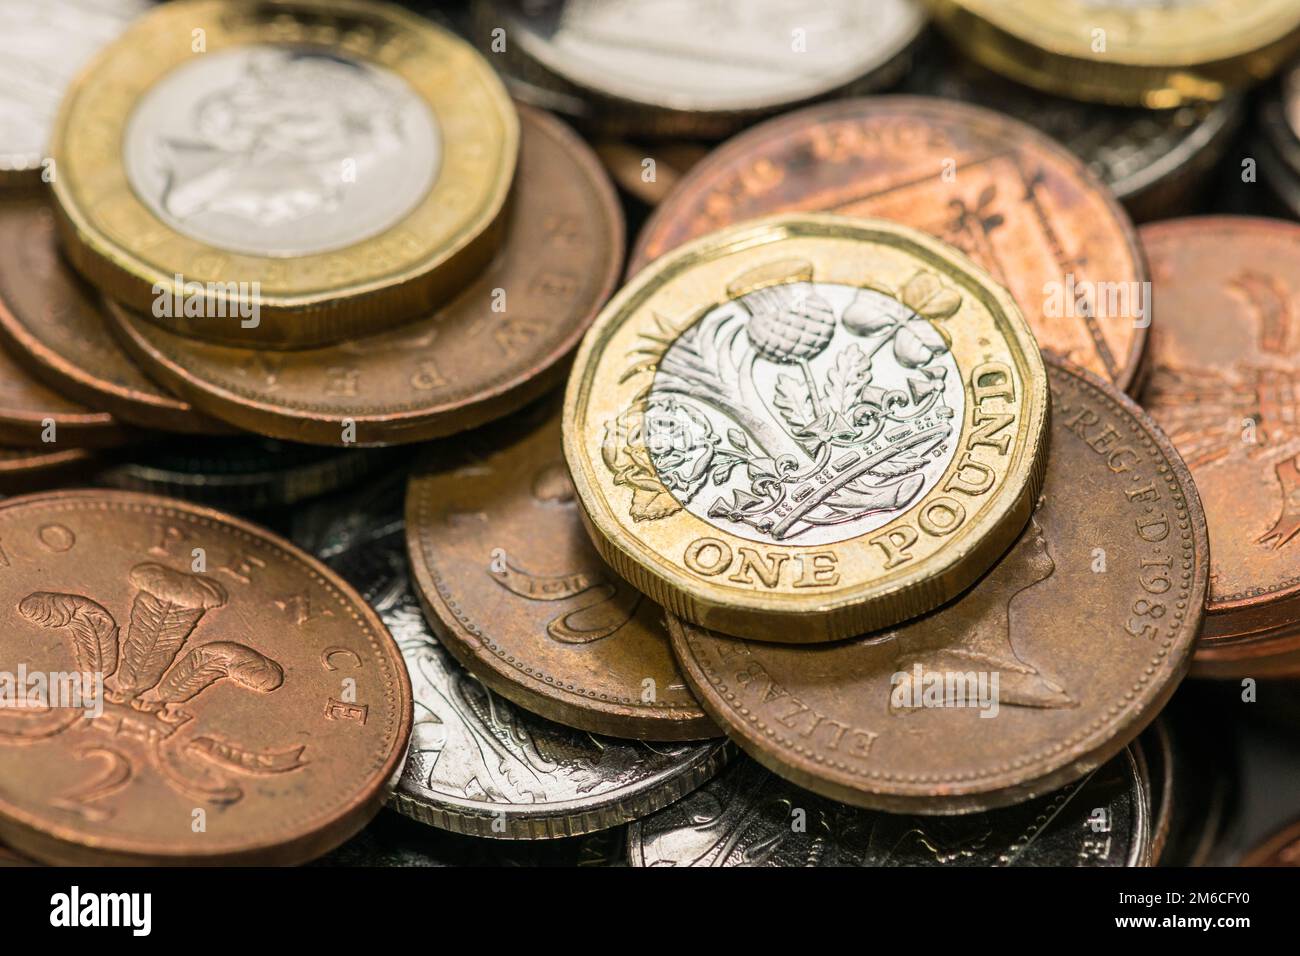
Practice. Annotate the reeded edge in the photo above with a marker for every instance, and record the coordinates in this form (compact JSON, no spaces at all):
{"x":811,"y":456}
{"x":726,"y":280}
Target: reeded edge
{"x":667,"y":724}
{"x":64,"y":845}
{"x":856,"y":609}
{"x":553,"y":821}
{"x":302,"y":319}
{"x":382,"y":428}
{"x":1114,"y":737}
{"x":1120,"y":79}
{"x":688,"y":189}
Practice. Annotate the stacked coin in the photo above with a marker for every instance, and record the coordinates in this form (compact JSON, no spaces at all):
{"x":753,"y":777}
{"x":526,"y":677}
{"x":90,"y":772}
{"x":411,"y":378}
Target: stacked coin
{"x":876,"y":519}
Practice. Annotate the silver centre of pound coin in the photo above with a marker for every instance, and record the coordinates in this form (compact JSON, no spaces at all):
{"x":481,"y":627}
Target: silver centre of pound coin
{"x":277,"y":151}
{"x":43,"y":43}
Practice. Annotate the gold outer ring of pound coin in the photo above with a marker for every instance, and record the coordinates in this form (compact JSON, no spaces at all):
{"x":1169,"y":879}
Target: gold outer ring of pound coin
{"x":1159,"y":58}
{"x":807,"y":427}
{"x":423,"y":250}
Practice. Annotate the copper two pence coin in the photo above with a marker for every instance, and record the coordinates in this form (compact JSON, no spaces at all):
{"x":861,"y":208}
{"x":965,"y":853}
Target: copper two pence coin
{"x":35,"y":416}
{"x":1041,"y":672}
{"x":1225,"y":375}
{"x":54,"y":325}
{"x":213,"y":693}
{"x":517,"y":593}
{"x":1018,"y":203}
{"x":498,"y":345}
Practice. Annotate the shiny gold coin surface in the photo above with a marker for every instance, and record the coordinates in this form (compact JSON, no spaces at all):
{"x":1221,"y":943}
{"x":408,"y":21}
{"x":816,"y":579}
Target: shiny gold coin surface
{"x":1157,"y":55}
{"x":807,"y":427}
{"x":290,"y":174}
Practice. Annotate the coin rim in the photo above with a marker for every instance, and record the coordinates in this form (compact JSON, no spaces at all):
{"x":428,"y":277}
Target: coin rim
{"x":868,"y":605}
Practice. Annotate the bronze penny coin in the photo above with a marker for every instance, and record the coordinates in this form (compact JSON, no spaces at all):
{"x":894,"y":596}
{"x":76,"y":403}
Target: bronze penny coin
{"x":54,"y":324}
{"x":517,"y":593}
{"x":743,"y":818}
{"x":498,"y":345}
{"x":1018,"y":203}
{"x":222,"y":696}
{"x":1041,"y":672}
{"x":1225,"y":370}
{"x":32,"y":469}
{"x":34,"y":416}
{"x":480,"y":766}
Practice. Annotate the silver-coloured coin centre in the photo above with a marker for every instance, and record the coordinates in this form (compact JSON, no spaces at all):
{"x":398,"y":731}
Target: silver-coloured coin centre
{"x":279,"y":151}
{"x":804,"y":413}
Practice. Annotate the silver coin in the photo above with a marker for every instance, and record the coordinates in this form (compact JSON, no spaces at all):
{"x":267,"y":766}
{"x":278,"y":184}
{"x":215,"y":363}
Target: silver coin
{"x":1150,"y":158}
{"x":478,"y":765}
{"x":701,"y":56}
{"x":748,"y":816}
{"x":43,"y":43}
{"x":277,"y":151}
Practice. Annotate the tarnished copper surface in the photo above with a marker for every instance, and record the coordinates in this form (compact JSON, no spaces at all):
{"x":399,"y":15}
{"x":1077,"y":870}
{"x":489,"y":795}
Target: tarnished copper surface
{"x":254,"y":708}
{"x":54,"y":325}
{"x":1225,"y":386}
{"x":28,"y":409}
{"x":517,"y":593}
{"x":1019,"y":204}
{"x":1088,"y":625}
{"x":501,"y":343}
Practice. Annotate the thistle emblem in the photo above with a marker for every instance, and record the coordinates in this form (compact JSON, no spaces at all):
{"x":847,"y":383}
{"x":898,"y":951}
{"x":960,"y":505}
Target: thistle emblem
{"x":815,"y":410}
{"x":147,"y":681}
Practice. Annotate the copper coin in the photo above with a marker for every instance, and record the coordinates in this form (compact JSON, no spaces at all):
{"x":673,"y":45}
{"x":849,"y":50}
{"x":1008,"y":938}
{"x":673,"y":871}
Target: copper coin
{"x":1070,"y":645}
{"x":1279,"y":849}
{"x":1225,"y":376}
{"x":1018,"y":203}
{"x":498,"y":345}
{"x":33,"y":469}
{"x":518,"y":595}
{"x":54,"y":324}
{"x":34,"y":416}
{"x":240,"y":703}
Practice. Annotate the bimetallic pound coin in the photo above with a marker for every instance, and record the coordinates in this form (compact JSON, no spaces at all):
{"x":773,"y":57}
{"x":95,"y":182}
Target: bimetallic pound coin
{"x":1225,"y":360}
{"x":234,"y":700}
{"x":316,"y":171}
{"x":244,"y":474}
{"x":480,"y":766}
{"x":42,"y":46}
{"x":53,"y":323}
{"x":1021,"y":205}
{"x":1151,"y":53}
{"x":1153,"y":160}
{"x":34,"y":416}
{"x":681,"y":68}
{"x":517,"y":594}
{"x":501,"y":342}
{"x":807,"y":427}
{"x":1055,"y":661}
{"x":744,"y":817}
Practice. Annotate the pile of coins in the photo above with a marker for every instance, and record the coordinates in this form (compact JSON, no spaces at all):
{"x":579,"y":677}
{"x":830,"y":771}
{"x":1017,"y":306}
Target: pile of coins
{"x":869,"y":507}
